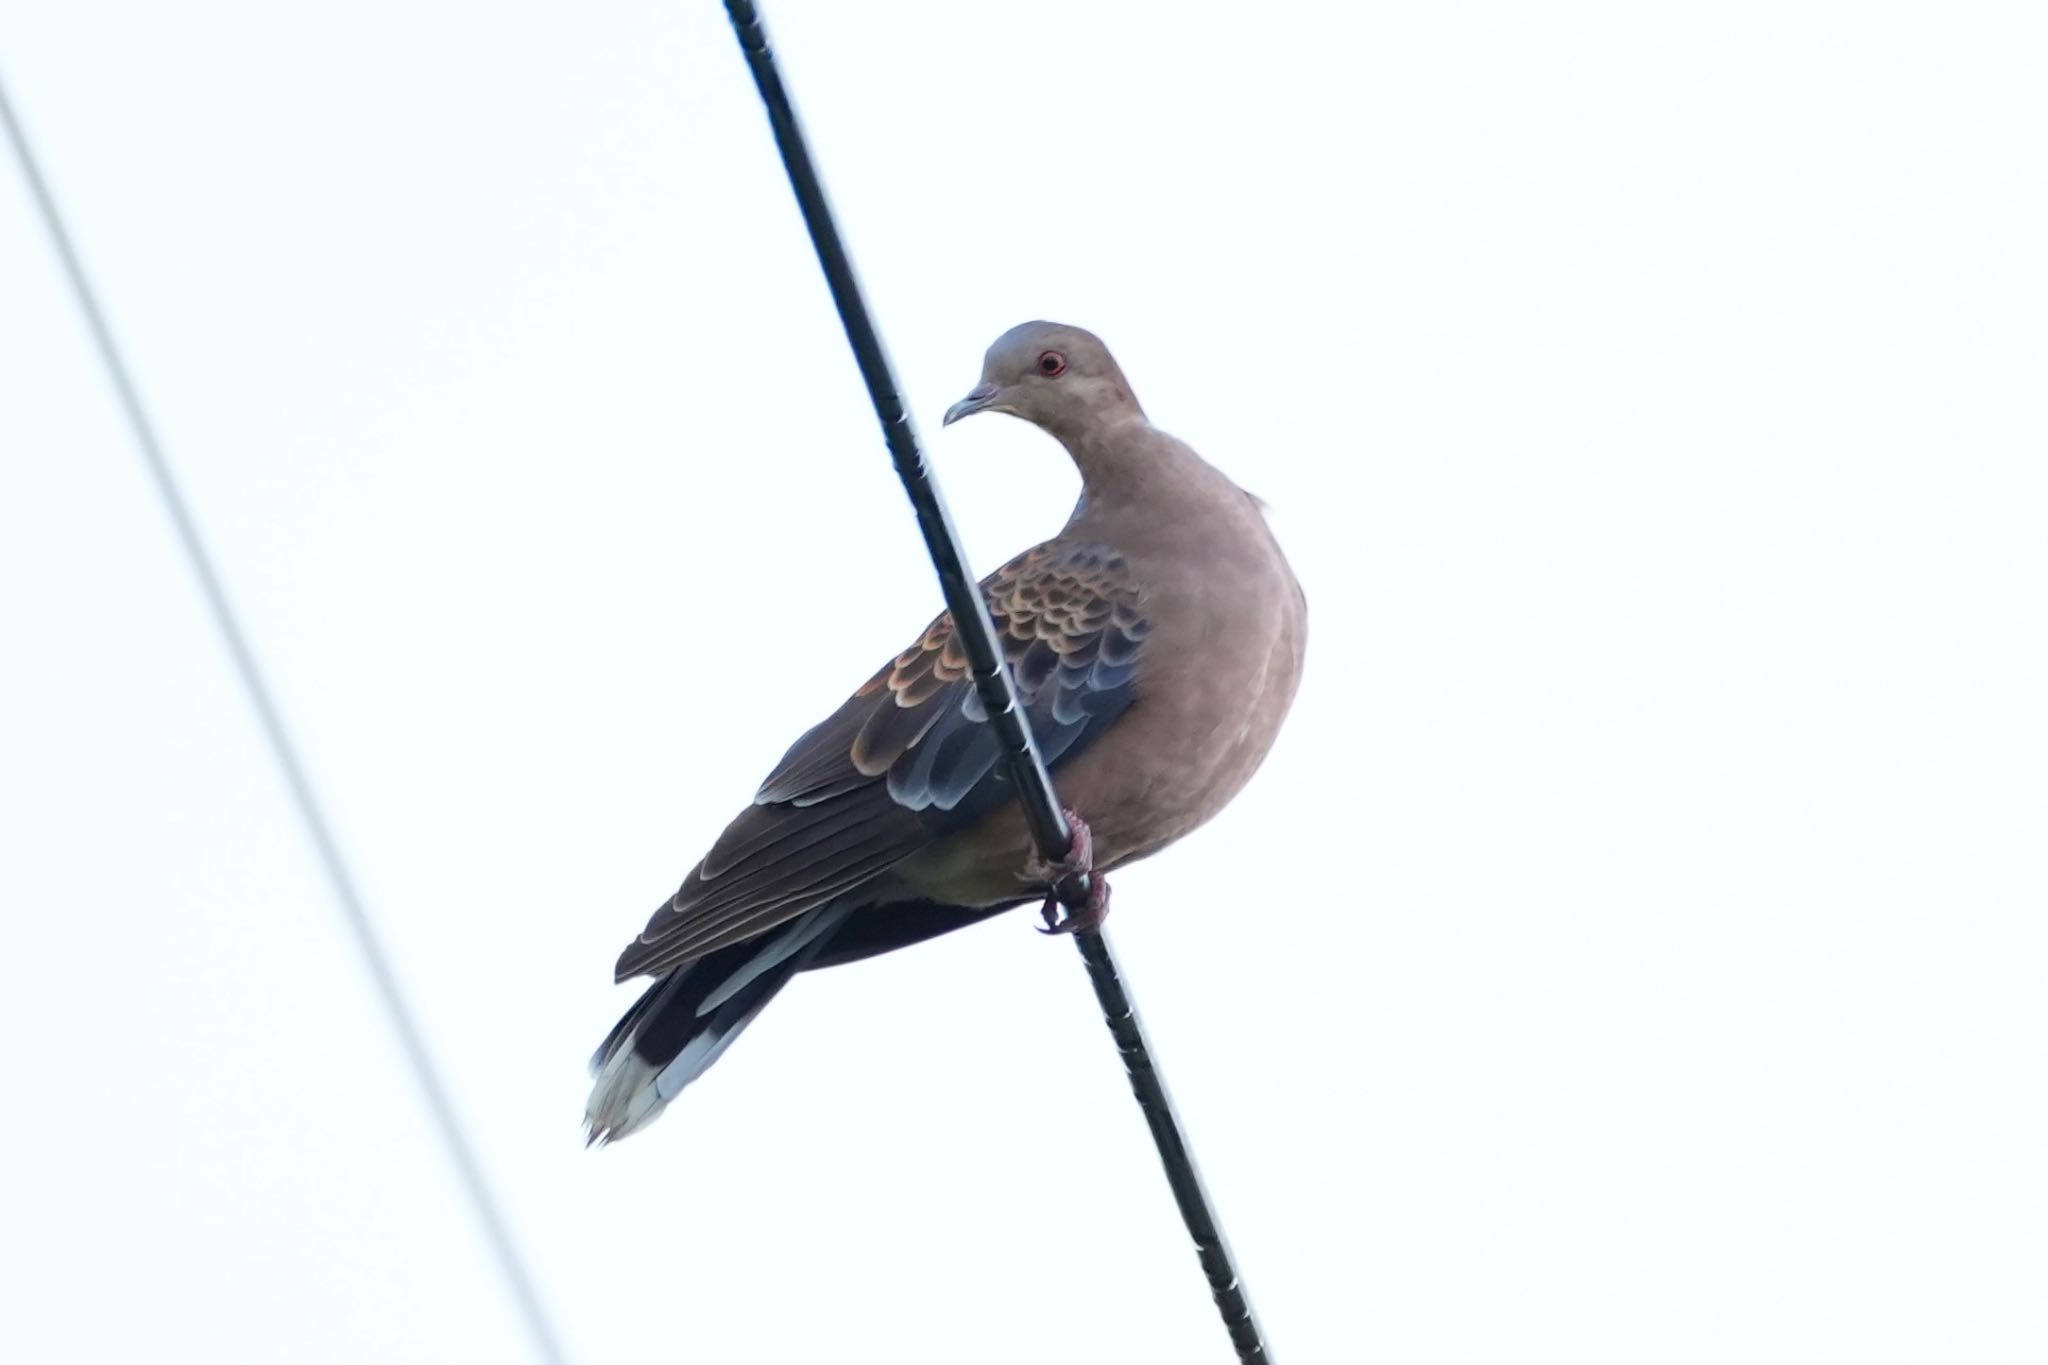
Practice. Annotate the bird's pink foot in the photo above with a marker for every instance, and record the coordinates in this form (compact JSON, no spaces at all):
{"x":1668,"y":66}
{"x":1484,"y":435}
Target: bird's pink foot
{"x":1078,"y":898}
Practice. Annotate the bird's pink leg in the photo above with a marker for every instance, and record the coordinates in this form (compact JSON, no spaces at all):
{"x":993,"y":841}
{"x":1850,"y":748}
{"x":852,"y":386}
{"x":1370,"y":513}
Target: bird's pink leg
{"x":1081,"y":911}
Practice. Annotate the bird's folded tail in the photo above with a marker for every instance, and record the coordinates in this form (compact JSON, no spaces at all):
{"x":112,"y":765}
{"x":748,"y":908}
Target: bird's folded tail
{"x":688,"y":1018}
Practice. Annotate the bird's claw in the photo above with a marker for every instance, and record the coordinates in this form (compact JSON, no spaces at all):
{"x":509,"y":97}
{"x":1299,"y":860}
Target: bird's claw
{"x":1077,"y":899}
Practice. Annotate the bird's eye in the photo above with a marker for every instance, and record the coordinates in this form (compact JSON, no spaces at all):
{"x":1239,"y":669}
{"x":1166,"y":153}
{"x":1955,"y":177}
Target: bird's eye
{"x":1051,"y":363}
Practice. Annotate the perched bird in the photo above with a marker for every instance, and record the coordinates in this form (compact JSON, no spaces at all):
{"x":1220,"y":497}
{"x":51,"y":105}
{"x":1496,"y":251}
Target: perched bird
{"x":1156,"y":643}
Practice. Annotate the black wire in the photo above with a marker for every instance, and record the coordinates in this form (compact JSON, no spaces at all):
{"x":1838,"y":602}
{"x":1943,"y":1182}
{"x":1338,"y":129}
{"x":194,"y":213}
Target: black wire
{"x":998,"y":694}
{"x":963,"y":598}
{"x":376,"y":961}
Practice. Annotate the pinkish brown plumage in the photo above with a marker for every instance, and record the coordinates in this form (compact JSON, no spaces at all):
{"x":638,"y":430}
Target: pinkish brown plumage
{"x":1156,"y":641}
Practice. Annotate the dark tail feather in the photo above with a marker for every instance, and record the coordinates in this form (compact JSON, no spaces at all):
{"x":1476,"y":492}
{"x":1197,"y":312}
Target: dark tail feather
{"x":897,"y":924}
{"x":685,"y":1020}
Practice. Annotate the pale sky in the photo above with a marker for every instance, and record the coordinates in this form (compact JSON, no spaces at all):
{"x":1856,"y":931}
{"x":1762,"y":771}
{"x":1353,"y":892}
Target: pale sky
{"x":1634,"y":950}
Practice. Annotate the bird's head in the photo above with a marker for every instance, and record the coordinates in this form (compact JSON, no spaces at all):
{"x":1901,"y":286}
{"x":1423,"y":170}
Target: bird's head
{"x":1054,"y":376}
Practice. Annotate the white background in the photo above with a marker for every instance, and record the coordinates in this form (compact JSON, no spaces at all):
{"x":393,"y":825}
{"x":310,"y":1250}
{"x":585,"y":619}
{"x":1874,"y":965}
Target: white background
{"x":1633,"y":951}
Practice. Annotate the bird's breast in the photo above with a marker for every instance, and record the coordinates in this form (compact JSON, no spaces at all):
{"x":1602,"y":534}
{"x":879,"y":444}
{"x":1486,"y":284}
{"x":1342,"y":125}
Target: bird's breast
{"x":1220,"y":672}
{"x":1222,"y":659}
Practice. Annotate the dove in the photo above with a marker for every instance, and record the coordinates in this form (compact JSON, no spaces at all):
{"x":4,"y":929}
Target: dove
{"x":1156,"y":642}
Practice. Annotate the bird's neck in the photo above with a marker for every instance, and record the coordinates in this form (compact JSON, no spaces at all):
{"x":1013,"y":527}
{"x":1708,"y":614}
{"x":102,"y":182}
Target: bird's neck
{"x":1129,"y":465}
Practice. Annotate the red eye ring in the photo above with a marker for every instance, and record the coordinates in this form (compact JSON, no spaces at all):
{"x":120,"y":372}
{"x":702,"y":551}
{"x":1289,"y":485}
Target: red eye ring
{"x":1052,"y":363}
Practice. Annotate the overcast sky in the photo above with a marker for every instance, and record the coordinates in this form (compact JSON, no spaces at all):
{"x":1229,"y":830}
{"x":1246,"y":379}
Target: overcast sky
{"x":1633,"y":951}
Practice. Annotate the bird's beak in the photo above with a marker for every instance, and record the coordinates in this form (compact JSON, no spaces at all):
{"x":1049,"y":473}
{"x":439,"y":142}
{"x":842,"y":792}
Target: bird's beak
{"x":978,"y":398}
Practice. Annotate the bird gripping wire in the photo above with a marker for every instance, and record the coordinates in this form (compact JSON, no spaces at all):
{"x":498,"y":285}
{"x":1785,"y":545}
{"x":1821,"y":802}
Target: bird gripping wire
{"x":998,"y":693}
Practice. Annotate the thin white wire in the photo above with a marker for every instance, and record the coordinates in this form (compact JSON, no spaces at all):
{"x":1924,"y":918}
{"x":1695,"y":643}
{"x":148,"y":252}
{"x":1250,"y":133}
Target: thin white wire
{"x":376,"y":961}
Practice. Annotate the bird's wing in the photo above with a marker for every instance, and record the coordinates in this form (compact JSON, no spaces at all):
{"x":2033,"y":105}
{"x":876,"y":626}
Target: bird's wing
{"x":909,"y":758}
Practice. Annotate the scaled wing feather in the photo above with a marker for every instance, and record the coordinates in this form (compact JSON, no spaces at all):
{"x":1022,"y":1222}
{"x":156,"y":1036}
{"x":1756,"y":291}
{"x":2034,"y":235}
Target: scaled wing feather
{"x":909,"y":757}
